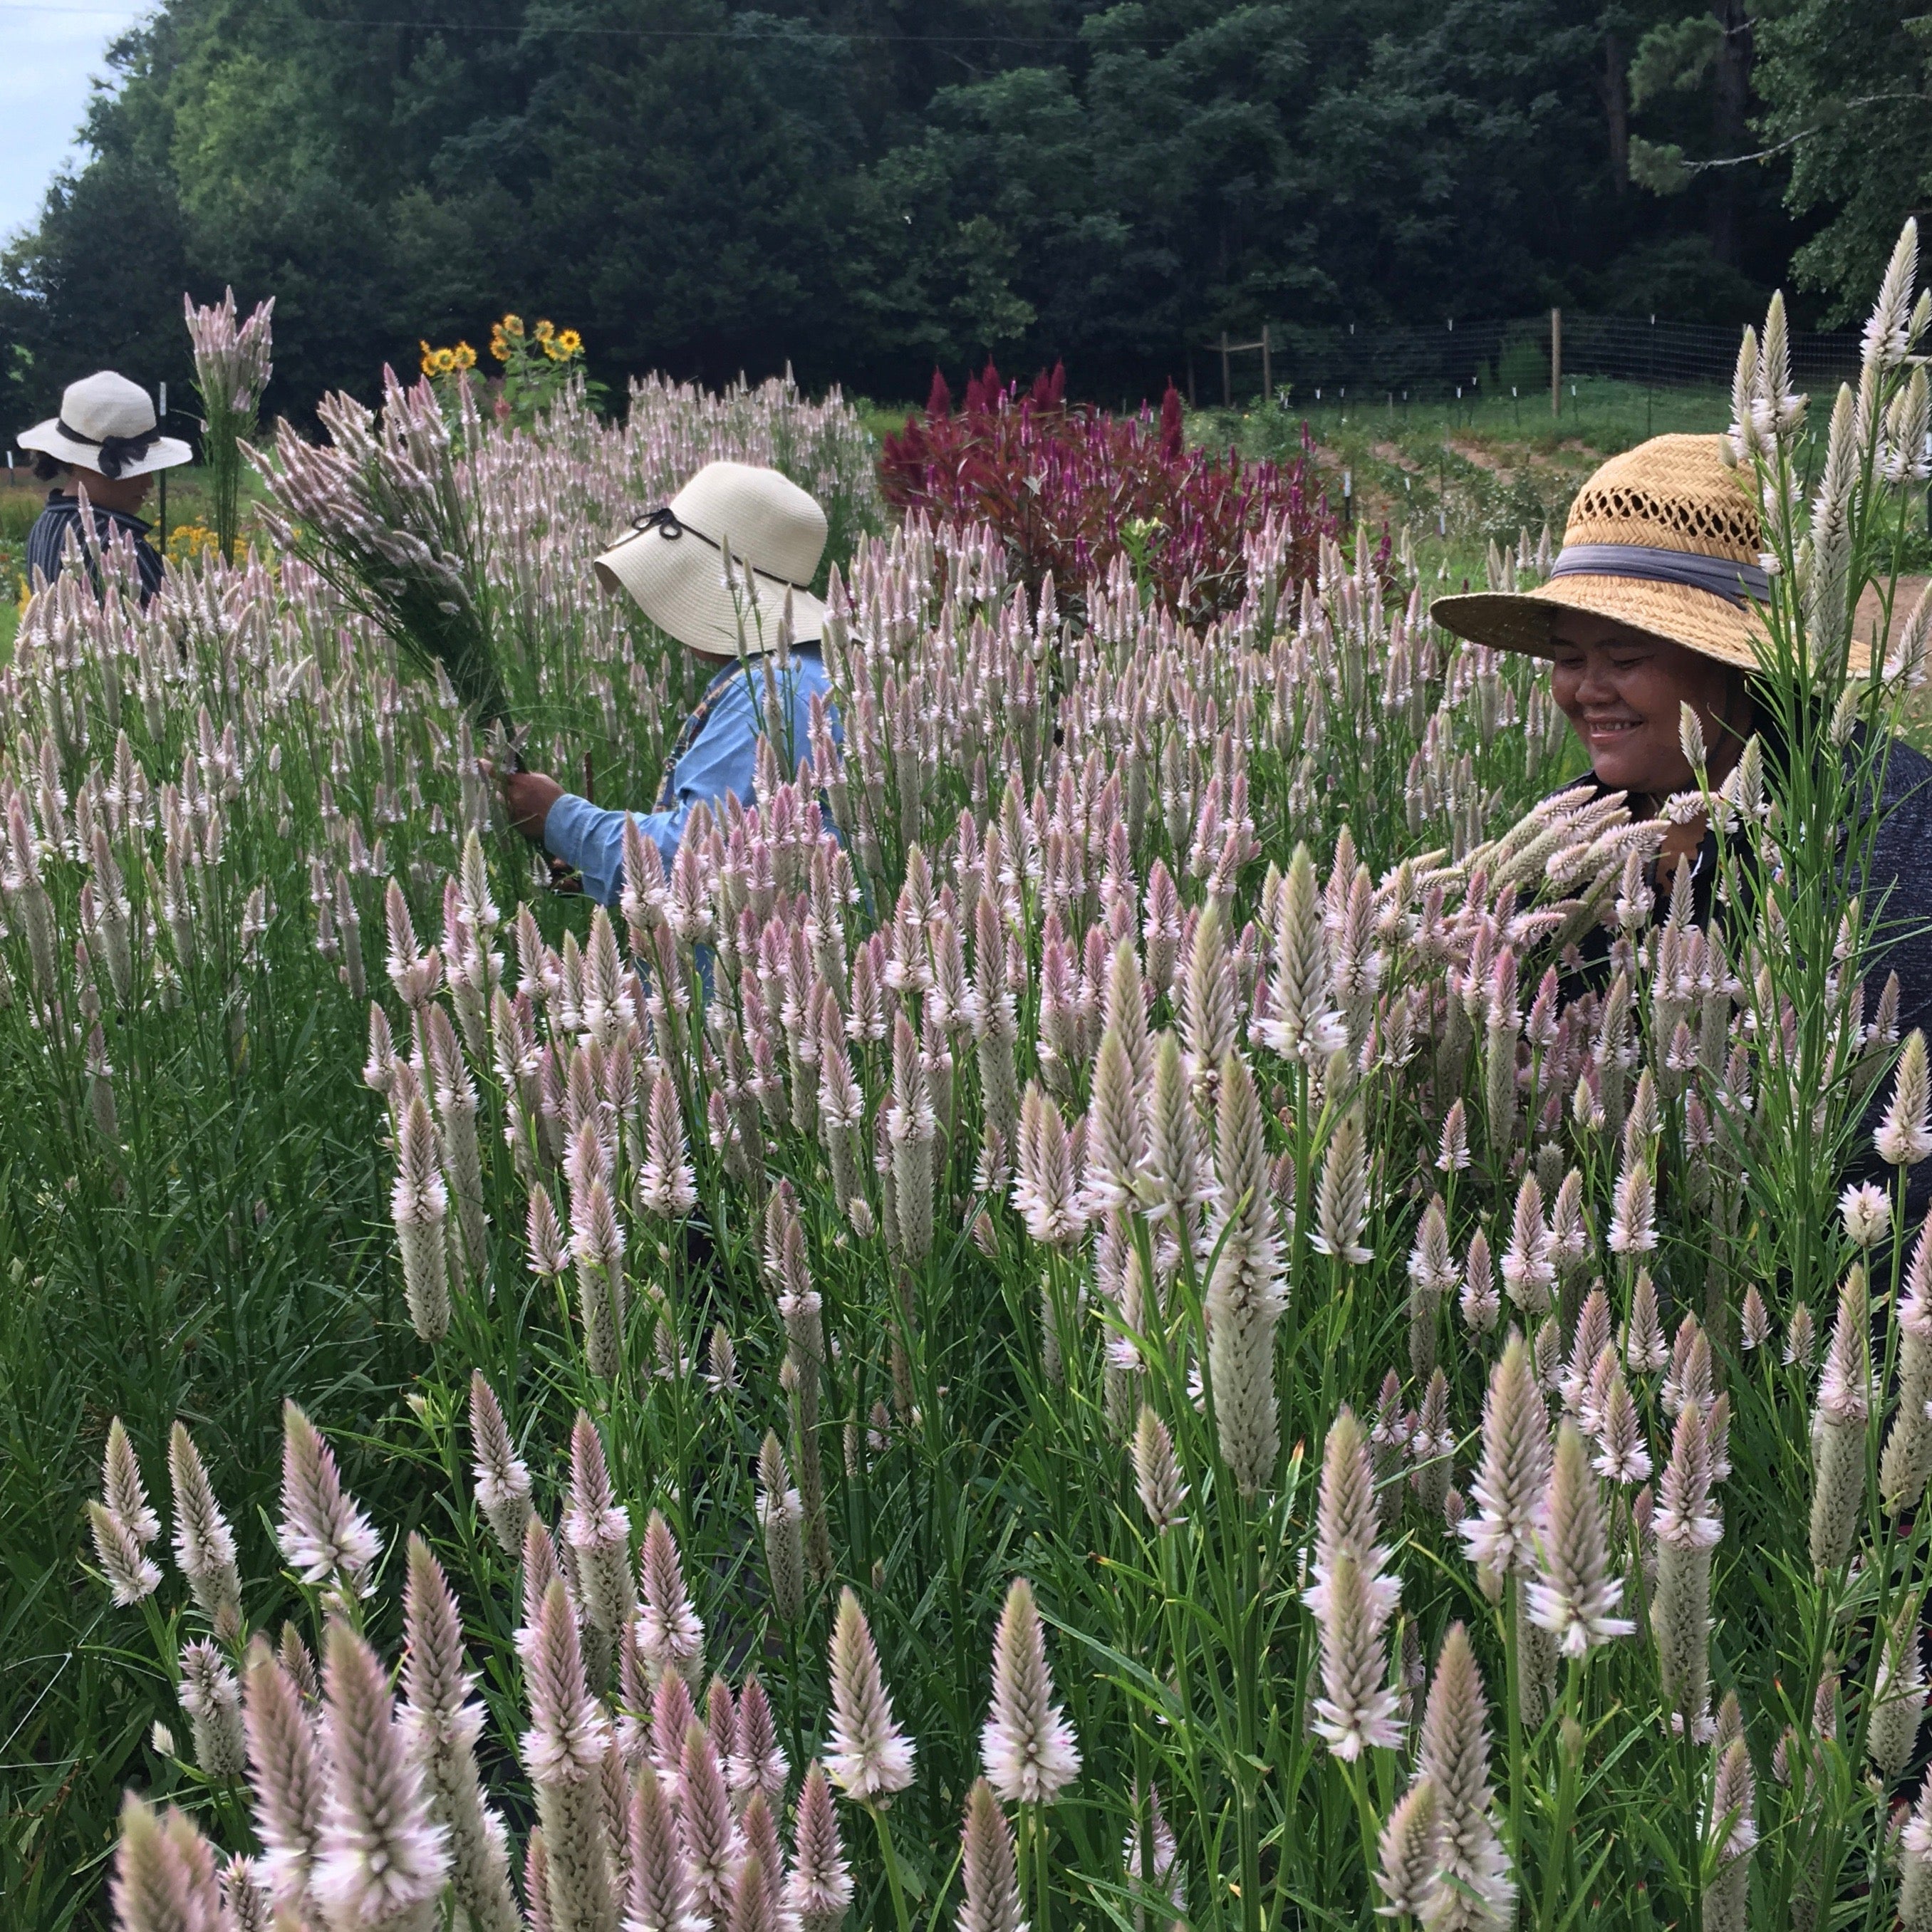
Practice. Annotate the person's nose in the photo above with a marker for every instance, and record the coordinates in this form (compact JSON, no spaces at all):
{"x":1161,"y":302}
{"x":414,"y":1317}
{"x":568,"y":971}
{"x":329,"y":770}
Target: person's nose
{"x":1595,"y":685}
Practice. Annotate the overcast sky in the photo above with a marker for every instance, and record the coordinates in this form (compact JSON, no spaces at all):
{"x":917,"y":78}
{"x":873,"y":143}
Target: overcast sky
{"x":49,"y":49}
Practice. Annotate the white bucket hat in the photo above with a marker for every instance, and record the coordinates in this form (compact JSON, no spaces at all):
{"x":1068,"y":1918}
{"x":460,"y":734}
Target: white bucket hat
{"x":673,"y":561}
{"x":106,"y":424}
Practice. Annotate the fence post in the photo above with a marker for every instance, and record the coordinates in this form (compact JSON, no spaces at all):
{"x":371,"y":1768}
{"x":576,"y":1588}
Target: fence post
{"x":1556,"y":361}
{"x":1227,"y":381}
{"x":161,"y":422}
{"x":1268,"y":371}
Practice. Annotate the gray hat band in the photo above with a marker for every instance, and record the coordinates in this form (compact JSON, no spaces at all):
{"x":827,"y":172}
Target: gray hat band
{"x":1721,"y":576}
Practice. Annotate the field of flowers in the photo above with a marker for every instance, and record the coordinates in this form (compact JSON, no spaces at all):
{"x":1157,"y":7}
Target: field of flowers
{"x":1086,"y":1318}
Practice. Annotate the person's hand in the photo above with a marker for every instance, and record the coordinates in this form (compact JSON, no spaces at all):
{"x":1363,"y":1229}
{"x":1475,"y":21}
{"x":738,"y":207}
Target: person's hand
{"x":528,"y":797}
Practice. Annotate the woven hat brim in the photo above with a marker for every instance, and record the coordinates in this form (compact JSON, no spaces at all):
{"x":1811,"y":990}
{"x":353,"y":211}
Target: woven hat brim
{"x":680,"y":586}
{"x":166,"y":452}
{"x":1673,"y":613}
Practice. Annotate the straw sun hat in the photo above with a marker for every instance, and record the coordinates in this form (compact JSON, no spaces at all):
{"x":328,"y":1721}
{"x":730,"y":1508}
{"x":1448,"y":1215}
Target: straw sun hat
{"x":673,"y":561}
{"x":106,"y":424}
{"x":1664,"y":539}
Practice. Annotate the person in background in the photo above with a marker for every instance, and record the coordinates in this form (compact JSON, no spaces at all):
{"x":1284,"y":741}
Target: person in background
{"x":106,"y":445}
{"x":672,"y":564}
{"x":1649,"y":608}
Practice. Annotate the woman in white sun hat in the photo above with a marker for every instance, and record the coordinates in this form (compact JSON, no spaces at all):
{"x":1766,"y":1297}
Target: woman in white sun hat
{"x":106,"y":445}
{"x":725,"y":569}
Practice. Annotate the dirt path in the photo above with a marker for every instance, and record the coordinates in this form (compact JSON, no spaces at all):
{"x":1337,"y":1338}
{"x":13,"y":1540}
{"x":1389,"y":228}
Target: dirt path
{"x":1910,"y":589}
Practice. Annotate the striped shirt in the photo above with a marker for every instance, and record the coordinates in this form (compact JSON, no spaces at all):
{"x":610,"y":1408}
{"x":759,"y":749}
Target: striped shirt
{"x":46,"y":541}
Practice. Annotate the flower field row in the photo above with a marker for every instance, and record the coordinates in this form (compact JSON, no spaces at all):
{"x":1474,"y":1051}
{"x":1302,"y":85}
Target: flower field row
{"x":1167,"y":1289}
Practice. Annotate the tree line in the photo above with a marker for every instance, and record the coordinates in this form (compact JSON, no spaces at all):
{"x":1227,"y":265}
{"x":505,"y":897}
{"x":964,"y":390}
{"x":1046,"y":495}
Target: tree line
{"x":868,"y":188}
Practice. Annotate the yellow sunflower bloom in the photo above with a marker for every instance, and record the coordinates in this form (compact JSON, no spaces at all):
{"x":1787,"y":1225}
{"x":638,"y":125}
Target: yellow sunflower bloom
{"x":428,"y":356}
{"x":569,"y":342}
{"x":512,"y":324}
{"x":544,"y":331}
{"x":498,"y":346}
{"x":465,"y":356}
{"x":446,"y":362}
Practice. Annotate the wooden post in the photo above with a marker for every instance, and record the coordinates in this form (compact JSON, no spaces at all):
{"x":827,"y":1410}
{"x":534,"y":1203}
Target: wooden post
{"x":1268,"y":371}
{"x":161,"y":422}
{"x":1556,"y":361}
{"x":1227,"y":381}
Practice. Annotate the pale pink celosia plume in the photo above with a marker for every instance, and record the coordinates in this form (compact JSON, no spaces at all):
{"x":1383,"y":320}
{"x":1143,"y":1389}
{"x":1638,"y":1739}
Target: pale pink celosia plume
{"x":989,"y":1875}
{"x":322,"y":1534}
{"x":1574,"y":1597}
{"x":818,"y":1889}
{"x":1027,"y":1745}
{"x":871,"y":1757}
{"x":669,"y":1635}
{"x":1474,"y":1890}
{"x":1508,"y":1488}
{"x":380,"y":1862}
{"x":443,"y":1722}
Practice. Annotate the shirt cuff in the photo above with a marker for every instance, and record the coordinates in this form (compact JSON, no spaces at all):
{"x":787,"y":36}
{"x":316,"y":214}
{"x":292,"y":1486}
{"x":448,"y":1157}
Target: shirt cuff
{"x":570,"y":821}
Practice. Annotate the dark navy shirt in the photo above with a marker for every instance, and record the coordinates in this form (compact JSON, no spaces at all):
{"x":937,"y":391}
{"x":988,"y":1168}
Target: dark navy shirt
{"x":46,"y":541}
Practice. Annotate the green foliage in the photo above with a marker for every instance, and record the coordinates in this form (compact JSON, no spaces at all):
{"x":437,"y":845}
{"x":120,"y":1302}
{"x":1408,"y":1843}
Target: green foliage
{"x":866,"y":196}
{"x":1674,"y":54}
{"x":1848,"y":84}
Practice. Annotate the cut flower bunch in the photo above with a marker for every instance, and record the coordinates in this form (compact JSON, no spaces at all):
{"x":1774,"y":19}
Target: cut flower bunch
{"x":1112,"y":1328}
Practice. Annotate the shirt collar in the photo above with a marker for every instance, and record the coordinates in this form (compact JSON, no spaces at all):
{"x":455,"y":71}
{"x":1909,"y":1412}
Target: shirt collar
{"x":60,"y":500}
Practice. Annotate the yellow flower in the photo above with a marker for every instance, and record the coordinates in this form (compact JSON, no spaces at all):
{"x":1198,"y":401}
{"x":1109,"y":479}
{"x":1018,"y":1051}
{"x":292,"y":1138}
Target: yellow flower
{"x":446,"y":362}
{"x":465,"y":356}
{"x":512,"y":324}
{"x":552,"y":352}
{"x":498,"y":347}
{"x":570,"y":343}
{"x":544,"y":331}
{"x":428,"y":357}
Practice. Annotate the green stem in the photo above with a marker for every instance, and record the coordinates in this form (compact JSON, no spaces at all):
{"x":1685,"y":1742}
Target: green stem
{"x":1355,"y":1772}
{"x":900,"y":1915}
{"x":1512,"y":1662}
{"x":1570,"y":1743}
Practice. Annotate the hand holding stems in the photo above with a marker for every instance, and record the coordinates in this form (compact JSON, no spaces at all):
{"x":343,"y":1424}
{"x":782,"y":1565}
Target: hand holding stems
{"x":527,"y":797}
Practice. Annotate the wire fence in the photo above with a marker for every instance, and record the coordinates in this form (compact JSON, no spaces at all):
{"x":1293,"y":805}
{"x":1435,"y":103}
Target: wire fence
{"x":1526,"y":360}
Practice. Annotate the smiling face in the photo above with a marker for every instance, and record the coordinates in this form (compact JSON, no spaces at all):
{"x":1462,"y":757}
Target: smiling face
{"x":1621,"y":691}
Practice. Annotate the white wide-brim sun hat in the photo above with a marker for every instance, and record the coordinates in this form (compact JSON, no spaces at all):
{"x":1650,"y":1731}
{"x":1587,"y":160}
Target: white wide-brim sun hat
{"x":672,"y":562}
{"x":106,"y":424}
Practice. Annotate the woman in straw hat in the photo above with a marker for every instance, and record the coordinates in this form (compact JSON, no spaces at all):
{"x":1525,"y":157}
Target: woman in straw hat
{"x":1650,"y":607}
{"x":102,"y":449}
{"x":725,"y":569}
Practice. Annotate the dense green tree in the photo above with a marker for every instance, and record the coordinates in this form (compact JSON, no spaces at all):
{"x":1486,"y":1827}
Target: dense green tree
{"x":868,"y":186}
{"x":1847,"y":85}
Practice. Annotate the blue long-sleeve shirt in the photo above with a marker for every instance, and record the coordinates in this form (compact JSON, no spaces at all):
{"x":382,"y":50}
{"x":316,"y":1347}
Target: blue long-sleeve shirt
{"x":718,"y":754}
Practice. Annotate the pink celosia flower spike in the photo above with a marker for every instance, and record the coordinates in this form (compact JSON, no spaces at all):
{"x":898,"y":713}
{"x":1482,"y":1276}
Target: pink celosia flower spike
{"x":380,"y":1862}
{"x":1027,"y":1745}
{"x":871,"y":1757}
{"x":989,"y":1876}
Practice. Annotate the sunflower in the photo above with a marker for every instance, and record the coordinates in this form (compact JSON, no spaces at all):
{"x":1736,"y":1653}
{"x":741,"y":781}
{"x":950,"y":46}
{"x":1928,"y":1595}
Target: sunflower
{"x":545,"y":331}
{"x":499,"y":346}
{"x":569,"y":342}
{"x":428,"y":357}
{"x":446,"y":362}
{"x":464,"y":356}
{"x":512,"y":324}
